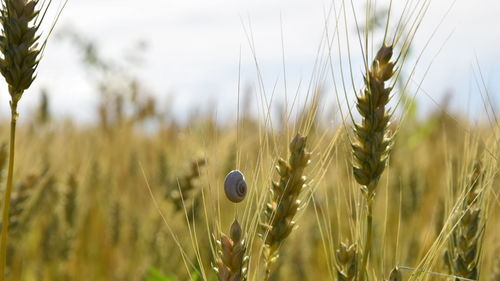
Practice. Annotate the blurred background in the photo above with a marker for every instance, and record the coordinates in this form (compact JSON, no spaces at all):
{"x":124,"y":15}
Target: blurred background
{"x":187,"y":53}
{"x":172,"y":95}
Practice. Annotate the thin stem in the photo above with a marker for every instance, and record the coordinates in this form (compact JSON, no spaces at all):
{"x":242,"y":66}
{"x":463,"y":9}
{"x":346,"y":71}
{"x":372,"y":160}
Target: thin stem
{"x":8,"y":191}
{"x":368,"y":238}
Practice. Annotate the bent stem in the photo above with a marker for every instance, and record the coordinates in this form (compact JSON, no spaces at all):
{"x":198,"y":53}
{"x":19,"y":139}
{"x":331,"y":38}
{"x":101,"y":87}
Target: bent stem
{"x":8,"y":191}
{"x":368,"y":238}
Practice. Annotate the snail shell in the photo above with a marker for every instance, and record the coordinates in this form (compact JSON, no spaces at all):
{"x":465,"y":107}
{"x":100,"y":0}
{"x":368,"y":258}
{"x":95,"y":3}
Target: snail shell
{"x":235,"y":186}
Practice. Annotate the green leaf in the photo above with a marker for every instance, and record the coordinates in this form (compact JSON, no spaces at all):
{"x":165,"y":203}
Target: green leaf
{"x":156,"y":275}
{"x":195,"y":276}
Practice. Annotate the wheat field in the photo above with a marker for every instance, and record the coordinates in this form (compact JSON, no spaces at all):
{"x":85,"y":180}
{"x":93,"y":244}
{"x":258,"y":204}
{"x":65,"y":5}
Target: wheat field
{"x":360,"y":191}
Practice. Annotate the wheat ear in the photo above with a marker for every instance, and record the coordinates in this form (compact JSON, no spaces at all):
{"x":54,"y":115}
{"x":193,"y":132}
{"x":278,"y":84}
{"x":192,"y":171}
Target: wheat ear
{"x":231,"y":261}
{"x":372,"y":139}
{"x":347,"y":261}
{"x":185,"y":190}
{"x":462,"y":255}
{"x":22,"y":194}
{"x":284,"y":200}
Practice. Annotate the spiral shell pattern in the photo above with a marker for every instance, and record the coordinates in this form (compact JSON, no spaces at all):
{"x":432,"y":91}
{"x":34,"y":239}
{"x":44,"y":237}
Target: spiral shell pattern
{"x":235,"y":186}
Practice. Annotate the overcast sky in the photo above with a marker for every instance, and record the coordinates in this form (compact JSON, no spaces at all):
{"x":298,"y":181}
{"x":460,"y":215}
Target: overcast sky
{"x":194,"y":48}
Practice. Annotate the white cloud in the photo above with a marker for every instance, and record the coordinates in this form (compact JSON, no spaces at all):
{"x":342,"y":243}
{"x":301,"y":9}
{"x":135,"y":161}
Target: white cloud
{"x":195,"y":45}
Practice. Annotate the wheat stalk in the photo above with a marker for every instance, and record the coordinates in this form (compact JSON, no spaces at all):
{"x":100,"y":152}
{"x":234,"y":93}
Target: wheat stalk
{"x":21,"y":49}
{"x":372,"y":139}
{"x":284,"y":200}
{"x":70,"y":201}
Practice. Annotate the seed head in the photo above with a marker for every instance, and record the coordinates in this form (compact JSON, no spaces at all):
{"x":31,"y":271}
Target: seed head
{"x":373,"y":141}
{"x":19,"y":44}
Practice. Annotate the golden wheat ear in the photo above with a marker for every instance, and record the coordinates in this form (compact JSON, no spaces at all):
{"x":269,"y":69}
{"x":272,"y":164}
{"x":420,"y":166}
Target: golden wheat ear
{"x":284,"y":200}
{"x":232,"y":261}
{"x":347,"y":261}
{"x":373,"y":140}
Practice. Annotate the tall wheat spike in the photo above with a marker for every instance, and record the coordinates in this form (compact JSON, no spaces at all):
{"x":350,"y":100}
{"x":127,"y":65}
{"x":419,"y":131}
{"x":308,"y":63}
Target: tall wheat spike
{"x":284,"y":201}
{"x":21,"y":48}
{"x":372,"y":139}
{"x":372,"y":145}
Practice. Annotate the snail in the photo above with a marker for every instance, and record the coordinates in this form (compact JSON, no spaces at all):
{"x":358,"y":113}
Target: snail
{"x":235,"y":186}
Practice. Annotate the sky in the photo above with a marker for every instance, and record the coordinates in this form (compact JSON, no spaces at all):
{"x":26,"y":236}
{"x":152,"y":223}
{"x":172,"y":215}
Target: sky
{"x":197,"y":51}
